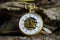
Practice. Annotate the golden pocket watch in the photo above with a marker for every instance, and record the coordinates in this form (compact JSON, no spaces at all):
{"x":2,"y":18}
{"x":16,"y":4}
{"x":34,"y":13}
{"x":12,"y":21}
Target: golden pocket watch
{"x":31,"y":23}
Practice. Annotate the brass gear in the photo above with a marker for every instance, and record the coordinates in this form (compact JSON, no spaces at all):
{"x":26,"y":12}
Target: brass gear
{"x":30,"y":23}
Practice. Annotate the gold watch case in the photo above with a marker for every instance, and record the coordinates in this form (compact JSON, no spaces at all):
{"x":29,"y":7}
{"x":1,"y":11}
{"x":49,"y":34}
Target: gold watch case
{"x":30,"y":24}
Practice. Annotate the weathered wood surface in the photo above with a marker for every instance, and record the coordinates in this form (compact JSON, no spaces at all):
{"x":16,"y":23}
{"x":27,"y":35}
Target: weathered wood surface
{"x":53,"y":36}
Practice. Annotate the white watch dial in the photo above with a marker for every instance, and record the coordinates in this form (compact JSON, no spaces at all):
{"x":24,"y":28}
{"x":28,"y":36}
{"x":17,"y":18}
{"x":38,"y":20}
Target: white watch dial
{"x":38,"y":27}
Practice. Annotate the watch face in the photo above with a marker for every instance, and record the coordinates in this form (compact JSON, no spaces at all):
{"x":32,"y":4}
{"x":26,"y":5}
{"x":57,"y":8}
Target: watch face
{"x":30,"y":24}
